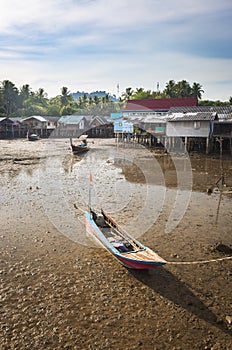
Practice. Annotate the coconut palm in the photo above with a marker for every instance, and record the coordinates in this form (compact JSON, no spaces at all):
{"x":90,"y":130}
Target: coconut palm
{"x":127,"y":94}
{"x":140,"y":94}
{"x":170,"y":89}
{"x":64,"y":96}
{"x":9,"y":97}
{"x":197,"y":90}
{"x":183,"y":89}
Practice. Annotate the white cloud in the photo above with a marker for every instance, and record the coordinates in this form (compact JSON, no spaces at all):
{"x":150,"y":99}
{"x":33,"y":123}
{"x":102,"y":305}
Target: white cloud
{"x":91,"y":74}
{"x":97,"y":44}
{"x":54,"y":15}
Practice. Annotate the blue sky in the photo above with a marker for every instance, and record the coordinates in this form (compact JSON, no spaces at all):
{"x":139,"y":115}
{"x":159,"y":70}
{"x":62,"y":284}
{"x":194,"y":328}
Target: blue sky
{"x":96,"y":44}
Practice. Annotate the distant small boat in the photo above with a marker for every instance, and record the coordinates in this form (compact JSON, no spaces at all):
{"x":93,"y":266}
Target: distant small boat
{"x":33,"y":137}
{"x":126,"y":249}
{"x":81,"y":147}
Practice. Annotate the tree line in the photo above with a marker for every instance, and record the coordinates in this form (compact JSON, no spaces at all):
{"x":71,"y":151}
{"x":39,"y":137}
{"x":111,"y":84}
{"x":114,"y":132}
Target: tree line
{"x":24,"y":102}
{"x":172,"y":90}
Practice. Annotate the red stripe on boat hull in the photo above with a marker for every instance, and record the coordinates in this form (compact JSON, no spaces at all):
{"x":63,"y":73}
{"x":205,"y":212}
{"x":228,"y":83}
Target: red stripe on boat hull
{"x":139,"y":265}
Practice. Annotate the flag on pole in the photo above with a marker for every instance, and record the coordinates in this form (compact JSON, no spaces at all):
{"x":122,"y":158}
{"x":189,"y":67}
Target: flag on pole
{"x":90,"y":188}
{"x":90,"y":178}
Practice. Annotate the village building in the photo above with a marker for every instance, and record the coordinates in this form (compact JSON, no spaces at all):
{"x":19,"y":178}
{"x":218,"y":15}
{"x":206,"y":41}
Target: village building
{"x":211,"y":135}
{"x":191,"y":131}
{"x":71,"y":126}
{"x":148,"y":129}
{"x":100,"y":126}
{"x":149,"y":117}
{"x":155,"y":107}
{"x":52,"y":123}
{"x":11,"y":128}
{"x":179,"y":124}
{"x":35,"y":125}
{"x":76,"y":125}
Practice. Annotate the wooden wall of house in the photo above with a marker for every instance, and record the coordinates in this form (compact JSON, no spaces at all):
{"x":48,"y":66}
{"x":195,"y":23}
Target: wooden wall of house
{"x":188,"y":129}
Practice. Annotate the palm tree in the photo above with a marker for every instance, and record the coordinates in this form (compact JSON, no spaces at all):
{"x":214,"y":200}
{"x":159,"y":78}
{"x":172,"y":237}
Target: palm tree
{"x":64,"y":96}
{"x":64,"y":91}
{"x":9,"y":96}
{"x":96,"y":100}
{"x":140,"y":94}
{"x":91,"y":101}
{"x":25,"y":91}
{"x":197,"y":90}
{"x":127,"y":94}
{"x":183,"y":89}
{"x":107,"y":98}
{"x":170,"y":89}
{"x":41,"y":93}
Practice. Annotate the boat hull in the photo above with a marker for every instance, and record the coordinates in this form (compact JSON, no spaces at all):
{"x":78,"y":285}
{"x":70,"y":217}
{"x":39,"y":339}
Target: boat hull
{"x":33,"y":137}
{"x":124,"y":258}
{"x":79,"y":149}
{"x":138,"y":265}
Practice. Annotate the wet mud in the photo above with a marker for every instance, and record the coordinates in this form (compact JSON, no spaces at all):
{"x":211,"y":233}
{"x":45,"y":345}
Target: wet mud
{"x":59,"y":291}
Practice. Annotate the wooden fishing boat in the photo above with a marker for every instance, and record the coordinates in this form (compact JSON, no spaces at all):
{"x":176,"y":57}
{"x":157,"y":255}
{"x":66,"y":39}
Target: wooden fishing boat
{"x":33,"y":137}
{"x":126,"y":249}
{"x":81,"y":147}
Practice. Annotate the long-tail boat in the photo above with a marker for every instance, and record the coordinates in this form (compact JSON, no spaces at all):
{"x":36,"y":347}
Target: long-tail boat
{"x":117,"y":241}
{"x":81,"y":147}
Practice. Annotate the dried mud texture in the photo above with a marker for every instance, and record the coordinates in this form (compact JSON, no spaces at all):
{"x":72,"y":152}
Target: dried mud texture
{"x":58,"y":294}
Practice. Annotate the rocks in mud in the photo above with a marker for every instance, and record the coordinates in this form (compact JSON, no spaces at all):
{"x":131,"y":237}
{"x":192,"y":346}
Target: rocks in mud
{"x":222,"y":248}
{"x":174,"y":255}
{"x":229,"y":319}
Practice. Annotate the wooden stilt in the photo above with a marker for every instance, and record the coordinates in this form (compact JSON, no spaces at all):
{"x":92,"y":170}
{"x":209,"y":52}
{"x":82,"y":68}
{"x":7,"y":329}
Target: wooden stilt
{"x":207,"y":146}
{"x":186,"y":143}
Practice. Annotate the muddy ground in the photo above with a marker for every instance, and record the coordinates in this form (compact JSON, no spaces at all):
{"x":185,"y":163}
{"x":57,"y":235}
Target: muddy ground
{"x":58,"y":291}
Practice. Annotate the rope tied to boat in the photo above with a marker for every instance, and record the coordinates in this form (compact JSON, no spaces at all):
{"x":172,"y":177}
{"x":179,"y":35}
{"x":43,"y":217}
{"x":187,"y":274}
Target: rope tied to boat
{"x":198,"y":261}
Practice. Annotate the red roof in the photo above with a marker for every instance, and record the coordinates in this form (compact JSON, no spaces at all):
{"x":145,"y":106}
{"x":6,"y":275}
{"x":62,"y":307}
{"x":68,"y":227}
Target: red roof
{"x":162,"y":104}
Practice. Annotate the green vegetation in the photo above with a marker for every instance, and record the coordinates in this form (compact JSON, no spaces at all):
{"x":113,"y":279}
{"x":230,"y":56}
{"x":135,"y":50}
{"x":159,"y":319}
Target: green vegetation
{"x":24,"y":102}
{"x":172,"y":89}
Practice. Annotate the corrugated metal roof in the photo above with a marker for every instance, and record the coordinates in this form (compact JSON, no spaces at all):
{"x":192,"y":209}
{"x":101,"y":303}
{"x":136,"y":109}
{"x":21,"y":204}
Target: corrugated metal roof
{"x":200,"y":116}
{"x":75,"y":119}
{"x":153,"y":119}
{"x":218,"y":109}
{"x":51,"y":118}
{"x":37,"y":117}
{"x":162,"y":104}
{"x":100,"y":119}
{"x":70,"y":119}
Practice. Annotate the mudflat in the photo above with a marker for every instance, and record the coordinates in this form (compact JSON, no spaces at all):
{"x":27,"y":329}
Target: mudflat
{"x":59,"y":291}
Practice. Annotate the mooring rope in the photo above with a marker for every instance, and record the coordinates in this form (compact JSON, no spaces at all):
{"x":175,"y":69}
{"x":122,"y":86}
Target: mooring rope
{"x":197,"y":262}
